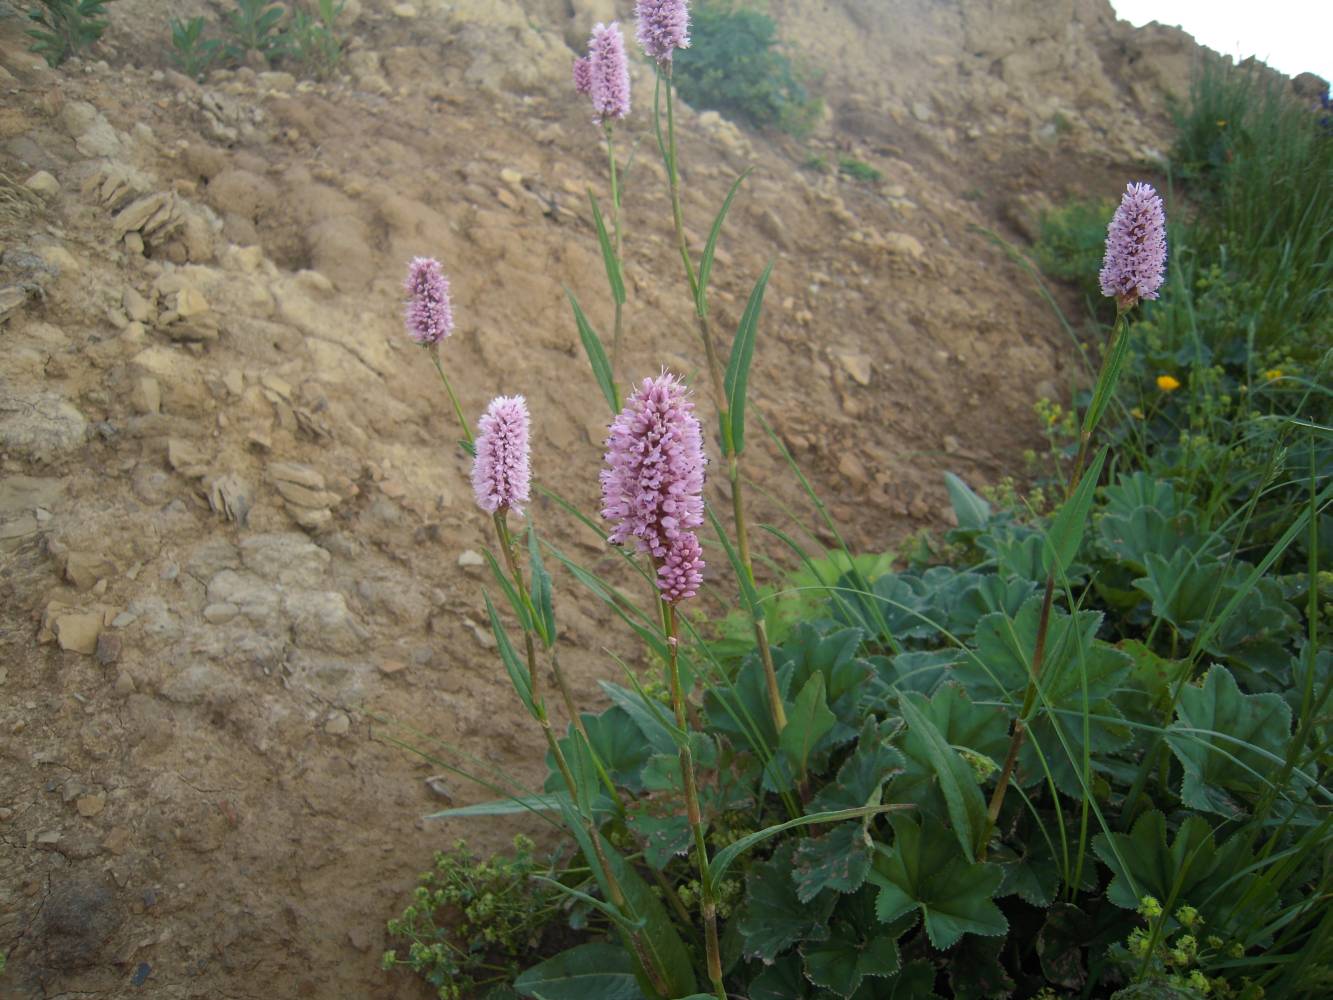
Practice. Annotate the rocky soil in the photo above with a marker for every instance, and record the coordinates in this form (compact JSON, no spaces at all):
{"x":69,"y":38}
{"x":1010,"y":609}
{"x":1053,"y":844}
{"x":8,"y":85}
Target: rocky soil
{"x":238,"y":554}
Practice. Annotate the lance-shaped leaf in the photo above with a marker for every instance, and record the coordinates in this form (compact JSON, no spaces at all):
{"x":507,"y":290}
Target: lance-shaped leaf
{"x":774,"y":918}
{"x":1078,"y":676}
{"x":983,"y":730}
{"x":608,"y":253}
{"x":1065,"y":534}
{"x":737,"y":380}
{"x":540,"y":591}
{"x":710,"y":246}
{"x":972,"y":512}
{"x":951,"y":776}
{"x":597,"y":971}
{"x":857,"y":946}
{"x":592,"y":345}
{"x":1228,"y":743}
{"x":807,"y":721}
{"x":925,"y":870}
{"x":518,"y":674}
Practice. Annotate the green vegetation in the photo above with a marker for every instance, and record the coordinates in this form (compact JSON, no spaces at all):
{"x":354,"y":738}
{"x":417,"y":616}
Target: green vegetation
{"x":858,"y":170}
{"x":1077,"y":747}
{"x":471,"y":923}
{"x":65,"y":27}
{"x":735,"y":65}
{"x":306,"y":39}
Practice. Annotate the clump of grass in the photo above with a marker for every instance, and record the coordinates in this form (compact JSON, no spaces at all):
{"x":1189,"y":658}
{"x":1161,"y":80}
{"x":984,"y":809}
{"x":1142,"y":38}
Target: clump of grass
{"x":64,"y":28}
{"x":858,"y":170}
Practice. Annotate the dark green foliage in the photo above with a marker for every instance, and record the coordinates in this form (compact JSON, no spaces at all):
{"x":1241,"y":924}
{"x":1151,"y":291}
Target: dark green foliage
{"x":65,"y":28}
{"x":192,"y":51}
{"x":312,"y":40}
{"x":254,"y":27}
{"x":858,"y":170}
{"x":735,"y":65}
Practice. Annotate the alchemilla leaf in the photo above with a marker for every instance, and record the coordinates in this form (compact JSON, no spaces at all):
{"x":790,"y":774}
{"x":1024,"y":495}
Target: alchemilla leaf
{"x":926,"y":870}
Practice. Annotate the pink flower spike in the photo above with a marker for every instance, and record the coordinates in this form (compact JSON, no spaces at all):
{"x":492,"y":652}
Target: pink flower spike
{"x":664,"y":26}
{"x":652,"y":488}
{"x":501,"y":472}
{"x":583,"y":75}
{"x":609,"y":72}
{"x":1135,"y":262}
{"x":428,"y":315}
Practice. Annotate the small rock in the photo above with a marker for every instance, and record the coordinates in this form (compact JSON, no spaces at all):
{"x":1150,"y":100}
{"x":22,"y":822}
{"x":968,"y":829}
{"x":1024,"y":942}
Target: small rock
{"x":904,"y":245}
{"x":78,"y":632}
{"x":220,"y":614}
{"x":303,"y":497}
{"x":90,"y":805}
{"x":84,"y":569}
{"x":293,"y":472}
{"x":855,"y":365}
{"x":404,"y":10}
{"x":43,"y":185}
{"x":391,"y":667}
{"x":108,"y":649}
{"x":186,"y":458}
{"x":190,"y":302}
{"x":511,"y":177}
{"x":124,"y":686}
{"x":311,"y":520}
{"x":439,"y":787}
{"x":124,"y":619}
{"x":470,"y":558}
{"x":234,"y":380}
{"x":146,"y":396}
{"x":6,"y":814}
{"x":950,"y":444}
{"x":338,"y":725}
{"x":135,"y":305}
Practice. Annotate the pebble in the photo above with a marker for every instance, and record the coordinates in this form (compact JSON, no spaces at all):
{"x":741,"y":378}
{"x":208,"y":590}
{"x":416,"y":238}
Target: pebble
{"x":78,"y":632}
{"x":124,"y":685}
{"x":90,"y":805}
{"x":404,"y":10}
{"x":392,"y":666}
{"x":469,"y":557}
{"x":338,"y":725}
{"x":221,"y":613}
{"x":42,"y":184}
{"x":108,"y":649}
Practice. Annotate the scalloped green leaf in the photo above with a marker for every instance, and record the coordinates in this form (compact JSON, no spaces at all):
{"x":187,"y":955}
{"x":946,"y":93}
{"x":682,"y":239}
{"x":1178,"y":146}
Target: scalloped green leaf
{"x":860,"y":779}
{"x":857,"y":947}
{"x":774,"y":917}
{"x":1079,"y":674}
{"x":662,"y":827}
{"x":926,"y":870}
{"x":975,"y":971}
{"x":838,"y":860}
{"x":1228,"y":743}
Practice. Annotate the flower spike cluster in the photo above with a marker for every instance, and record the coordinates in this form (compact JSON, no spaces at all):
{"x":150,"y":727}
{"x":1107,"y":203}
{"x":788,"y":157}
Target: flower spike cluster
{"x":501,"y":473}
{"x":583,"y":76}
{"x":652,"y":488}
{"x":664,"y":26}
{"x":428,"y":316}
{"x":1135,"y":262}
{"x":608,"y":73}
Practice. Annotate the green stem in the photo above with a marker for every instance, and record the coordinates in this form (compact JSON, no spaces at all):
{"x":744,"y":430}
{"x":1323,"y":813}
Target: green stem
{"x":617,"y":895}
{"x":775,"y":705}
{"x":453,"y":398}
{"x":620,"y":265}
{"x":708,"y":901}
{"x":1102,"y":391}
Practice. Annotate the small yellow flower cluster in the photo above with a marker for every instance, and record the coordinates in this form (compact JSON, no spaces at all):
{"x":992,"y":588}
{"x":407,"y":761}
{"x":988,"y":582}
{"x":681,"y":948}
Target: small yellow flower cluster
{"x":1168,"y":383}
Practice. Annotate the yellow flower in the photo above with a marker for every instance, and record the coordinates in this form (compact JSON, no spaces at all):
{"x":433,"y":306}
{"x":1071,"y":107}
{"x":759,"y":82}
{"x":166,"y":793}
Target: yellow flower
{"x":1168,"y":383}
{"x":1136,"y":413}
{"x":1273,"y":373}
{"x":1221,"y":123}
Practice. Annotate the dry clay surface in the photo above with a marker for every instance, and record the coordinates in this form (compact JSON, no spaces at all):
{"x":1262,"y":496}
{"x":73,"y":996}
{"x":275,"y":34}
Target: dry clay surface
{"x":235,"y":531}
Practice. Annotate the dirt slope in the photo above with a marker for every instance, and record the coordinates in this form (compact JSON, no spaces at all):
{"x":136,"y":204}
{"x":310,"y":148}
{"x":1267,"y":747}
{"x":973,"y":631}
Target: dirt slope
{"x":233,"y":528}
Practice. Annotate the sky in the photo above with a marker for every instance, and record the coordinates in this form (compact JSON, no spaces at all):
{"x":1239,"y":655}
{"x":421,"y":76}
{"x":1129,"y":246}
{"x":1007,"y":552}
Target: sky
{"x":1290,"y":35}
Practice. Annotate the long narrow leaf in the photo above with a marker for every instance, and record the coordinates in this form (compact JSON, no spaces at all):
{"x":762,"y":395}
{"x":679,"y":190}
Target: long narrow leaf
{"x":592,"y":345}
{"x":517,"y":674}
{"x":1066,"y":531}
{"x":608,"y":254}
{"x":737,"y":379}
{"x":710,"y":248}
